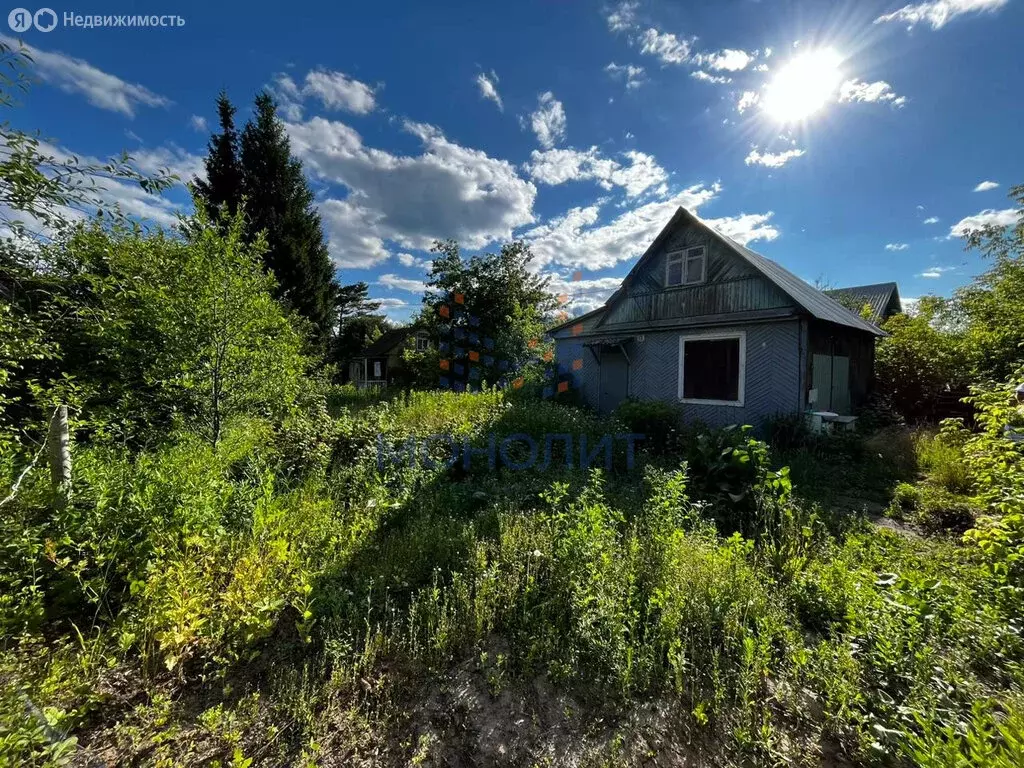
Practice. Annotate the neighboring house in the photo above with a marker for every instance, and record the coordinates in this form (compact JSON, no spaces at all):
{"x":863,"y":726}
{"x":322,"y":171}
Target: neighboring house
{"x":733,"y":337}
{"x":883,"y":298}
{"x":380,"y":364}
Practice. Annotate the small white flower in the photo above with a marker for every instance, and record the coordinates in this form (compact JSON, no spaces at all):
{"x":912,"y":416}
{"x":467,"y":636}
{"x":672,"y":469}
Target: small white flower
{"x":536,"y":553}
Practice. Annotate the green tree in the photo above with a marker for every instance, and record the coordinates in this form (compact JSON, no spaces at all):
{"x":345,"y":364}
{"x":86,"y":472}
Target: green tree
{"x":992,"y":306}
{"x":279,"y":203}
{"x":222,"y":187}
{"x":158,"y":331}
{"x":42,"y":193}
{"x":920,"y":359}
{"x":501,"y":300}
{"x":227,"y":346}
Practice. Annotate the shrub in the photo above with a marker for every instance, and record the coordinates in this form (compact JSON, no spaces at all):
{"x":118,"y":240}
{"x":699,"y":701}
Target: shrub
{"x":942,"y":459}
{"x":657,"y":421}
{"x":919,"y":360}
{"x":906,"y":496}
{"x":997,"y":464}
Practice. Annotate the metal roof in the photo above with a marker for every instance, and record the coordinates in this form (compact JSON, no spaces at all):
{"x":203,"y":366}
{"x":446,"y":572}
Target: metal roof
{"x":878,"y":296}
{"x":804,"y":294}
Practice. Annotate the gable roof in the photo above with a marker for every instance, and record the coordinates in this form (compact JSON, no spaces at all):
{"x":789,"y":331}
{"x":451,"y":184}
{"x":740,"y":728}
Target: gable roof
{"x":804,"y":295}
{"x":879,"y":296}
{"x":387,"y":341}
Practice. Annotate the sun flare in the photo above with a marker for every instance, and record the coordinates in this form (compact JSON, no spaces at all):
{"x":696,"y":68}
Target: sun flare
{"x":803,"y":85}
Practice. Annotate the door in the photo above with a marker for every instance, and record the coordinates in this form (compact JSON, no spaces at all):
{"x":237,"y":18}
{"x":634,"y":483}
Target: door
{"x":830,"y":375}
{"x":614,"y":378}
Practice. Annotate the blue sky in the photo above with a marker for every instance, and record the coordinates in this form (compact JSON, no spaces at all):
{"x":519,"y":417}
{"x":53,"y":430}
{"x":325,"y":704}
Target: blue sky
{"x":847,"y":141}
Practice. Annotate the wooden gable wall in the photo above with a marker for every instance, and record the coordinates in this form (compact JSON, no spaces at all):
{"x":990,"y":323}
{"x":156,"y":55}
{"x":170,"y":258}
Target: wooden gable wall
{"x":731,"y":286}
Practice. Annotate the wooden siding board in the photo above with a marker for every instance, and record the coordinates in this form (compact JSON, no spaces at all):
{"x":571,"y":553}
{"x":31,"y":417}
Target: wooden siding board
{"x":731,"y":285}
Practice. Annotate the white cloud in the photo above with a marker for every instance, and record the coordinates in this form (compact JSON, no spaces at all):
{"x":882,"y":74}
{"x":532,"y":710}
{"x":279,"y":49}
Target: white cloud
{"x":700,"y":74}
{"x":353,"y":234}
{"x":728,"y":59}
{"x":934,"y":272}
{"x":401,"y":283}
{"x":667,"y":47}
{"x":198,"y":123}
{"x":338,"y":91}
{"x":931,"y":220}
{"x":582,"y":295}
{"x":878,"y":91}
{"x":939,"y":12}
{"x":446,"y":191}
{"x":985,"y":186}
{"x":772,"y":160}
{"x":558,"y":166}
{"x":746,"y":227}
{"x":987,"y":218}
{"x":171,"y":158}
{"x":896,"y":246}
{"x":489,"y":88}
{"x":408,"y":260}
{"x":630,"y":73}
{"x":747,"y":100}
{"x":387,"y":303}
{"x":577,"y":239}
{"x":100,"y":89}
{"x":622,"y":17}
{"x":128,"y":196}
{"x":910,"y":304}
{"x":548,"y":120}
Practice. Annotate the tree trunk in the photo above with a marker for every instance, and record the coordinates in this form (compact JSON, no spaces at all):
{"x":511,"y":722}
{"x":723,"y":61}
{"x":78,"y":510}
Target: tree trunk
{"x":59,"y":440}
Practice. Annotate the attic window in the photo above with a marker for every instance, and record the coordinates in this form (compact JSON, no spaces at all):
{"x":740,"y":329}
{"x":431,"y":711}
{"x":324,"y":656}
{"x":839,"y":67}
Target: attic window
{"x":686,"y":267}
{"x":422,"y":342}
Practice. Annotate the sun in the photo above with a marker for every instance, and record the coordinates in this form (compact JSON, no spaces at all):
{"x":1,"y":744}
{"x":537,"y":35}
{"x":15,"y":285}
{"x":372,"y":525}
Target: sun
{"x":804,"y":85}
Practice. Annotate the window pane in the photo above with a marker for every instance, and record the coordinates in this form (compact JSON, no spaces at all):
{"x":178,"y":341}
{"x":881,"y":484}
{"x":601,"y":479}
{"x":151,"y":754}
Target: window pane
{"x":675,"y":273}
{"x":695,"y":268}
{"x":711,"y":369}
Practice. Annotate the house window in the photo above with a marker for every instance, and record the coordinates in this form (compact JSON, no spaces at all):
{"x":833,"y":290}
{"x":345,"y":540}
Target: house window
{"x":376,"y":369}
{"x":686,"y":267}
{"x":712,"y":368}
{"x":422,"y":342}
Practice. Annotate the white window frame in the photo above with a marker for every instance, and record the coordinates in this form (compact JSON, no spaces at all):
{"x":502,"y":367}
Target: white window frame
{"x":715,"y":336}
{"x":422,"y":342}
{"x":681,"y":256}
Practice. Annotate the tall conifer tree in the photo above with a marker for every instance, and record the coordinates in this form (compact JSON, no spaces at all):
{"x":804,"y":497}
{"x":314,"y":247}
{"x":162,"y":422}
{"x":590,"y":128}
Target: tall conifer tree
{"x":259,"y":168}
{"x":222,"y":187}
{"x":280,"y":203}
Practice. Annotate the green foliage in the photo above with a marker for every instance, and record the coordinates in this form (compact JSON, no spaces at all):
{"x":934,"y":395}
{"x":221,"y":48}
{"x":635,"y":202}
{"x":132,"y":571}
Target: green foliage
{"x":155,"y":330}
{"x":498,"y":289}
{"x":940,"y":456}
{"x":997,"y":464}
{"x":990,"y":306}
{"x":659,"y":423}
{"x":920,"y":359}
{"x":257,"y":172}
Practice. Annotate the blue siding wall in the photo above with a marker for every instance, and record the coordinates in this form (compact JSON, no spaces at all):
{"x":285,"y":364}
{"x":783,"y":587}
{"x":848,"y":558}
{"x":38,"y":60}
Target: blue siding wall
{"x":772,"y":385}
{"x":587,"y":380}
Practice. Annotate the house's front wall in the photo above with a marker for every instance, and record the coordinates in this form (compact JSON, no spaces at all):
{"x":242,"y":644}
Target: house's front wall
{"x":731,"y":285}
{"x":772,"y":371}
